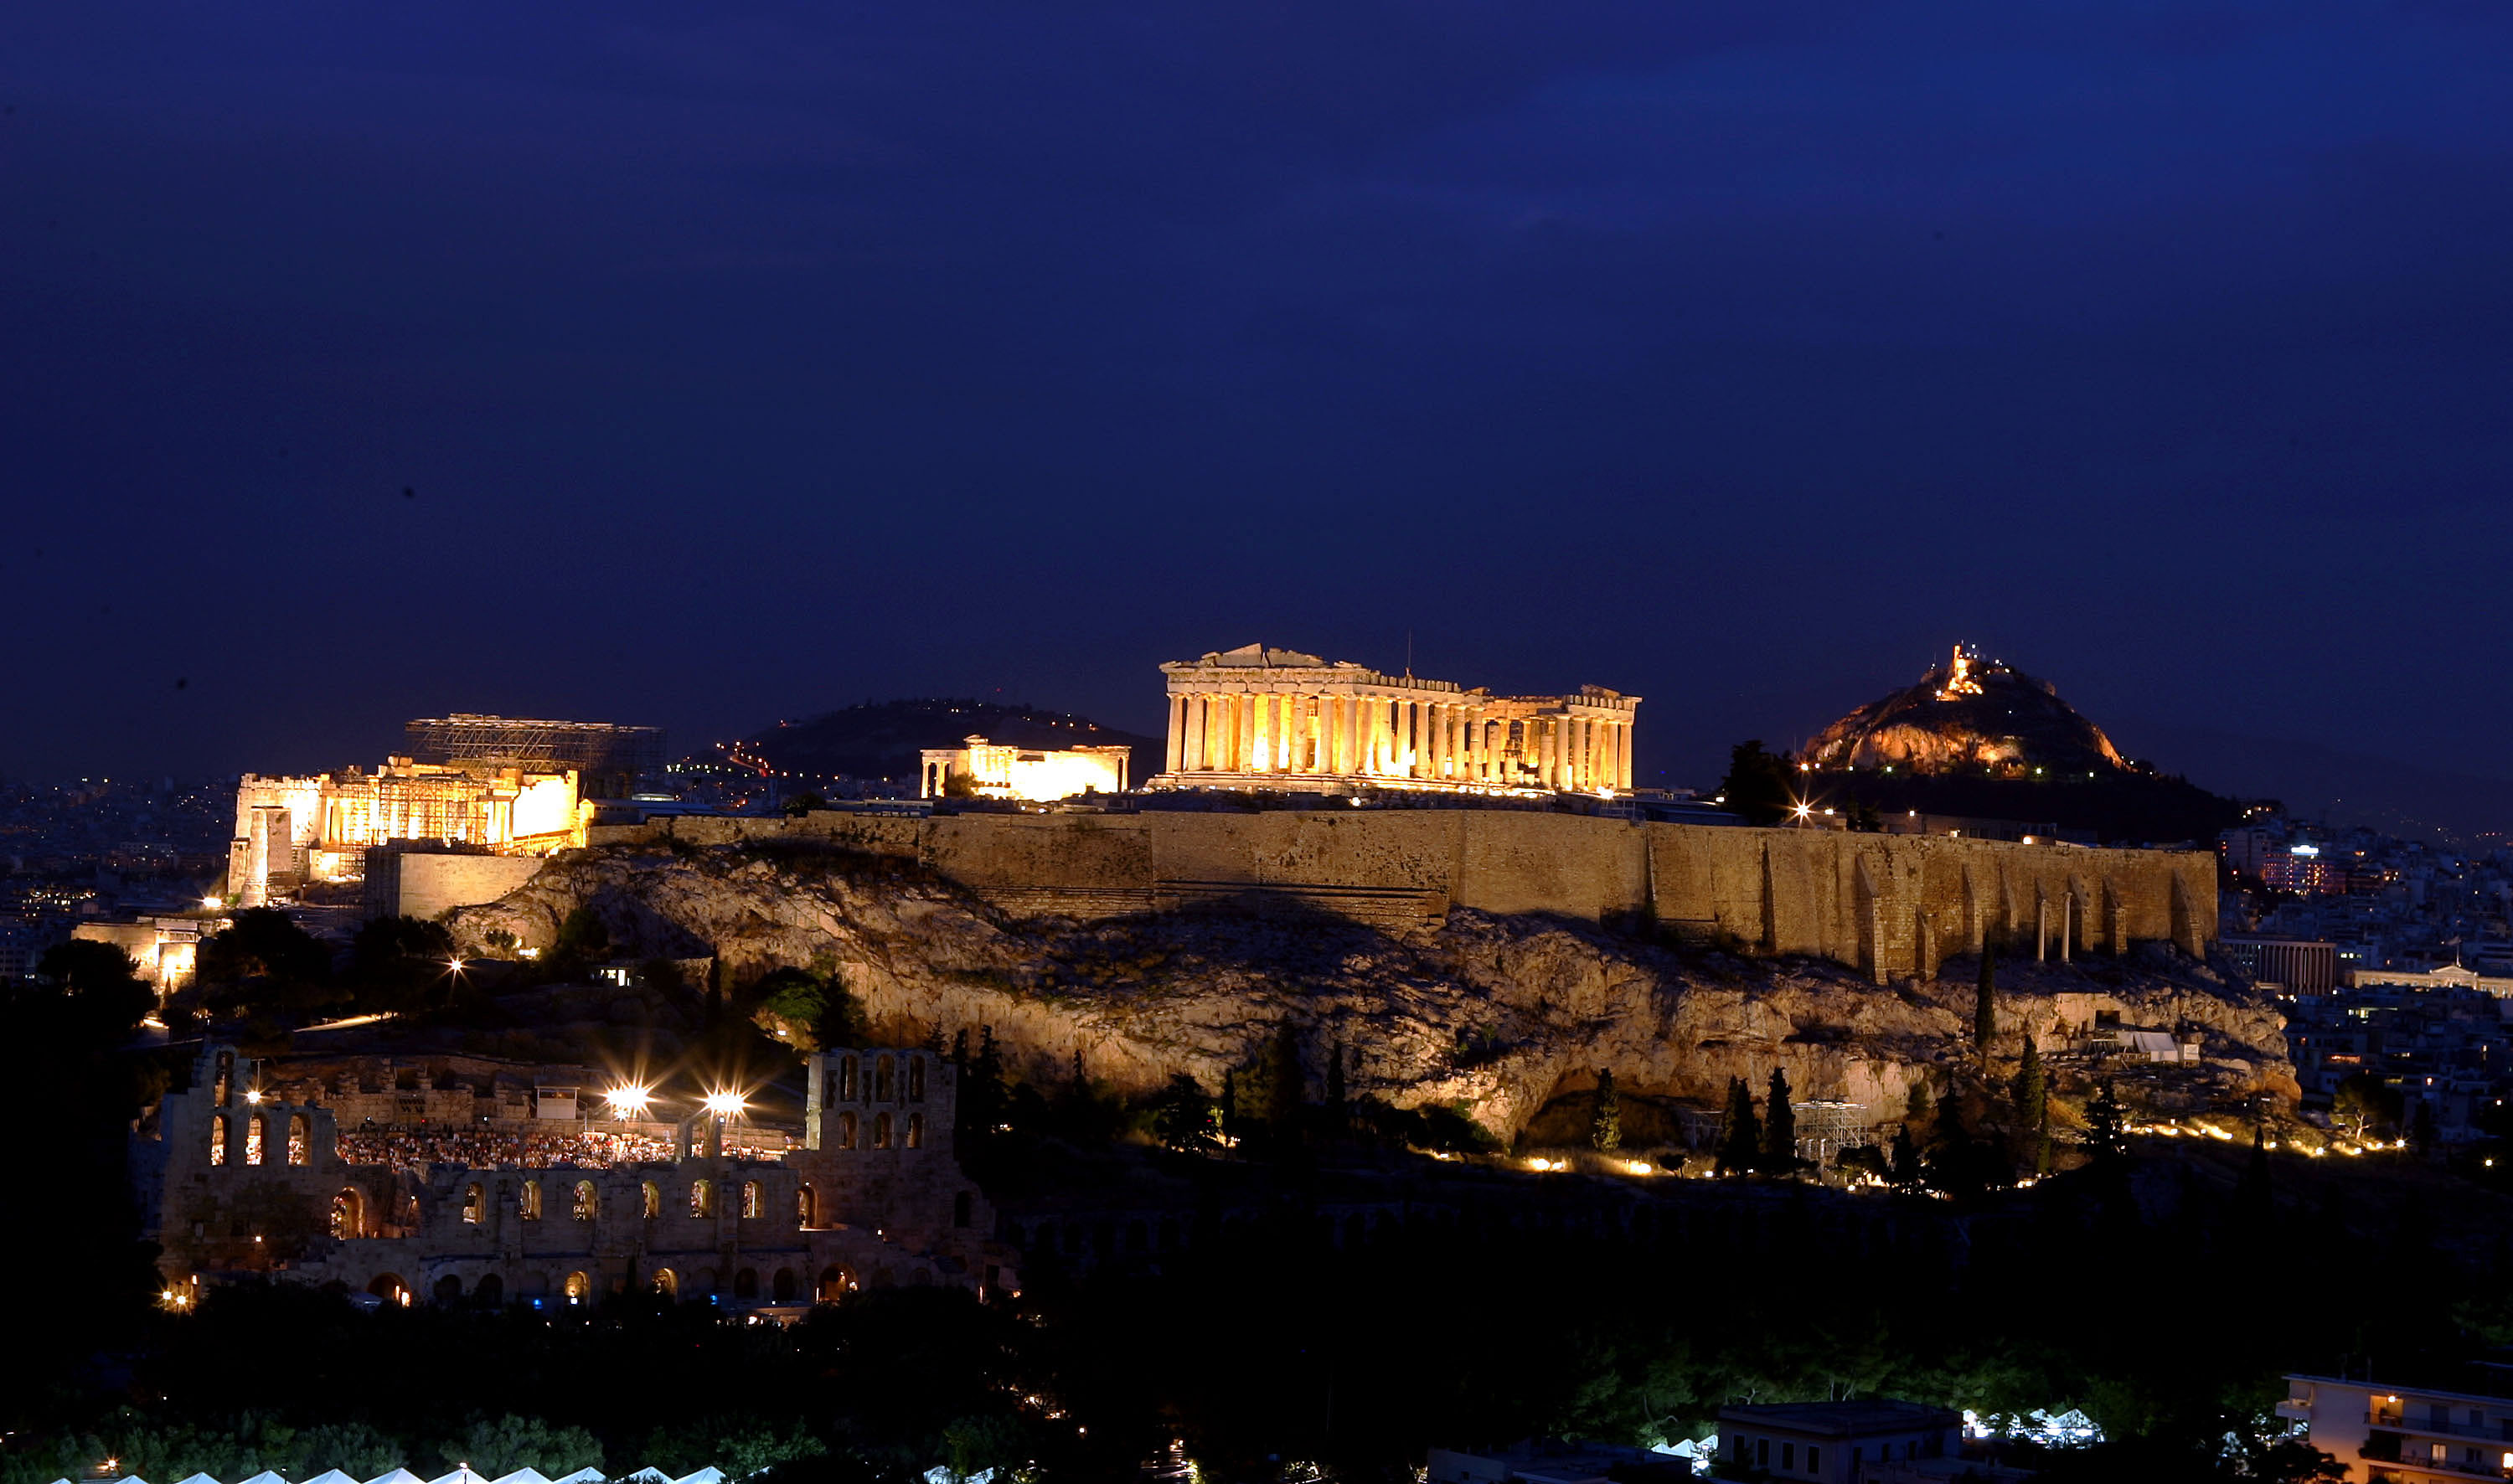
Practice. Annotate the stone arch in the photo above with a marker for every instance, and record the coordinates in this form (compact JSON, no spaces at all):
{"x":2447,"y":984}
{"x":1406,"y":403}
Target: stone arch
{"x":300,"y":1138}
{"x":754,"y":1201}
{"x":702,"y":1197}
{"x":489,"y":1291}
{"x":807,"y":1205}
{"x":885,"y":1082}
{"x":654,"y":1199}
{"x":665,"y":1282}
{"x":475,"y":1203}
{"x":835,"y":1284}
{"x":587,"y":1201}
{"x":389,"y":1287}
{"x":781,"y":1287}
{"x":881,"y":1130}
{"x":349,"y":1212}
{"x":915,"y":1130}
{"x":218,"y":1138}
{"x":916,"y":1079}
{"x":847,"y":1129}
{"x":578,"y":1287}
{"x":257,"y":1137}
{"x":528,"y":1200}
{"x":745,"y":1283}
{"x":449,"y":1289}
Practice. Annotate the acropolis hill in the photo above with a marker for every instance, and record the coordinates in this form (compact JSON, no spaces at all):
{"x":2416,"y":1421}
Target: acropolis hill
{"x":1484,"y":959}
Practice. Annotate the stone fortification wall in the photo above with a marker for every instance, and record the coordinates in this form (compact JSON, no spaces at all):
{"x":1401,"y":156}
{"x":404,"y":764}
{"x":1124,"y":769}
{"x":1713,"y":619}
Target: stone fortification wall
{"x":419,"y":883}
{"x":1887,"y":904}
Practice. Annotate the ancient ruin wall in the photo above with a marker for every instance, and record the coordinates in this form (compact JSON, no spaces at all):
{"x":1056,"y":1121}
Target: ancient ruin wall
{"x":1887,"y":904}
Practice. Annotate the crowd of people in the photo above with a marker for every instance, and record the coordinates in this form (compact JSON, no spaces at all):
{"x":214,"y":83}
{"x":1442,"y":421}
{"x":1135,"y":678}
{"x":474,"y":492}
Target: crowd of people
{"x":414,"y":1149}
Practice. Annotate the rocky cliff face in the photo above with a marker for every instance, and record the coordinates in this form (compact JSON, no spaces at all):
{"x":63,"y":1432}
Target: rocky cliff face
{"x":1491,"y":1015}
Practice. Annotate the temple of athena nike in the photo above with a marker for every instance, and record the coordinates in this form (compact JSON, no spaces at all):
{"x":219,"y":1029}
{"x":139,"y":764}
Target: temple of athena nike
{"x":1255,"y":718}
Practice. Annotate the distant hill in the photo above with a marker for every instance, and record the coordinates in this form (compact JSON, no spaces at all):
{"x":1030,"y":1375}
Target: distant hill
{"x":1981,"y":738}
{"x":882,"y":739}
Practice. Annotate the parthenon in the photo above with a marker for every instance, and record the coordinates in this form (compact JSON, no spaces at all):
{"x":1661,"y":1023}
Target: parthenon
{"x":1276,"y":719}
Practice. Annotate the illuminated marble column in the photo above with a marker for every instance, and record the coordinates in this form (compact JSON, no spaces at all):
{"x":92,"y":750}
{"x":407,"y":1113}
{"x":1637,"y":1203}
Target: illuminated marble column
{"x":1191,"y":748}
{"x":1177,"y":731}
{"x":1624,"y":756}
{"x":1409,"y":738}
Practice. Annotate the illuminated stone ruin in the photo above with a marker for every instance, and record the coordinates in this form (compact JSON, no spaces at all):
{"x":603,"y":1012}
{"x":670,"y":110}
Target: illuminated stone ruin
{"x":994,"y":770}
{"x":292,"y":831}
{"x":1275,"y":719}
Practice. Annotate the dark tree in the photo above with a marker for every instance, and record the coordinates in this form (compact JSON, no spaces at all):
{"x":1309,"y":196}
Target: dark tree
{"x":1779,"y":1129}
{"x":1606,"y":1122}
{"x":1740,"y":1144}
{"x":2033,"y":1111}
{"x":1908,"y":1173}
{"x":263,"y":963}
{"x":1184,"y":1119}
{"x":2106,"y":1126}
{"x":1335,"y":1077}
{"x":804,"y":803}
{"x":1760,"y":785}
{"x":582,"y":938}
{"x":102,"y":983}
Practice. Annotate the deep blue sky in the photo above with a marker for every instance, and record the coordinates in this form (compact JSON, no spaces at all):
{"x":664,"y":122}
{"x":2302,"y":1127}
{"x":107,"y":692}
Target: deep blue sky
{"x":750,"y":360}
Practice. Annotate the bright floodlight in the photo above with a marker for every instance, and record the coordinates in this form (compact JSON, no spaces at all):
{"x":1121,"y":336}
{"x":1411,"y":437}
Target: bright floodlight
{"x":724,"y":1104}
{"x":629,"y":1100}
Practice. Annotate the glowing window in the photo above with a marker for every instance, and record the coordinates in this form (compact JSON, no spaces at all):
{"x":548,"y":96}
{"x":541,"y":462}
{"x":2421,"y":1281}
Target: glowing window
{"x":881,"y":1130}
{"x":653,"y":1205}
{"x":750,"y":1198}
{"x":916,"y":1130}
{"x":587,"y":1201}
{"x":883,"y":1085}
{"x":846,"y":1130}
{"x":297,"y":1131}
{"x":703,"y":1198}
{"x":916,"y":1079}
{"x":475,"y":1203}
{"x":253,"y":1132}
{"x":218,"y":1140}
{"x":846,"y":1079}
{"x":528,"y":1202}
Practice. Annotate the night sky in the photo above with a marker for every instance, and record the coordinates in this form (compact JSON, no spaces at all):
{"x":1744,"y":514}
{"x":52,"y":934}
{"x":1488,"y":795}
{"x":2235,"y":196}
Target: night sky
{"x":715,"y":363}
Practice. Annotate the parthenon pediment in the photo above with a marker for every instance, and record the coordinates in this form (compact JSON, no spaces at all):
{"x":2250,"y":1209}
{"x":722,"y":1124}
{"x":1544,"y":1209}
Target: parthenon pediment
{"x":1258,"y":654}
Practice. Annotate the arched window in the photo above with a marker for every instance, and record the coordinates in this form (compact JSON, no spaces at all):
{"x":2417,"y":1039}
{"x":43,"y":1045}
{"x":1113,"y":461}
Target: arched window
{"x":835,"y":1284}
{"x":449,"y":1289}
{"x":846,"y":1079}
{"x":654,"y":1200}
{"x":883,"y":1083}
{"x":299,"y":1131}
{"x":253,"y":1137}
{"x":475,"y":1203}
{"x":745,"y":1283}
{"x":915,"y":1130}
{"x":960,"y":1209}
{"x":807,"y":1205}
{"x":491,"y":1292}
{"x":702,"y":1197}
{"x":389,"y":1287}
{"x":587,"y":1200}
{"x":847,"y":1129}
{"x":218,"y":1138}
{"x":348,"y":1214}
{"x":750,"y":1199}
{"x":528,"y":1202}
{"x":916,"y":1079}
{"x":783,"y":1288}
{"x":881,"y":1130}
{"x":667,"y":1283}
{"x":578,"y":1288}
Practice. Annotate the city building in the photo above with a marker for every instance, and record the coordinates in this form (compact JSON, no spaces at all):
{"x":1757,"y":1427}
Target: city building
{"x":2295,"y":965}
{"x":993,"y":771}
{"x":2391,"y":1435}
{"x":1833,"y":1442}
{"x":1255,"y":718}
{"x":292,"y":832}
{"x":164,"y":946}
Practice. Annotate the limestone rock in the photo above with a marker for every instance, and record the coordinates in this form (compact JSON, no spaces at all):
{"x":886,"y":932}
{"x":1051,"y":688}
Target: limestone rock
{"x":1491,"y":1015}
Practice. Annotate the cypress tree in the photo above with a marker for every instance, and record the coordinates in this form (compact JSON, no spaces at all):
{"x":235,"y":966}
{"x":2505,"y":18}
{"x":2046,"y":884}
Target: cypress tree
{"x":1606,"y":1124}
{"x":1230,"y":1103}
{"x":1740,"y":1145}
{"x":1906,"y":1160}
{"x":2106,"y":1135}
{"x":1779,"y":1129}
{"x":2033,"y":1109}
{"x":1335,"y":1077}
{"x":1917,"y":1114}
{"x":1984,"y":1002}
